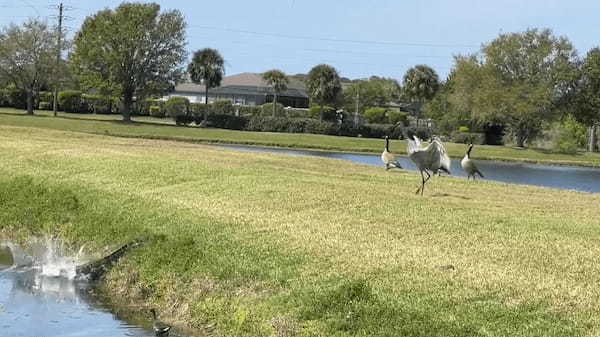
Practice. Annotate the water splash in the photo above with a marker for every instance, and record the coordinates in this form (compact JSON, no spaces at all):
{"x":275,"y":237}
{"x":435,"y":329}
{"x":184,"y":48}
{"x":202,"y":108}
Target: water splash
{"x":48,"y":256}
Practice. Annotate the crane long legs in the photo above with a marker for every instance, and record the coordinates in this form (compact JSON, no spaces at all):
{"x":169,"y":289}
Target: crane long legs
{"x":423,"y":181}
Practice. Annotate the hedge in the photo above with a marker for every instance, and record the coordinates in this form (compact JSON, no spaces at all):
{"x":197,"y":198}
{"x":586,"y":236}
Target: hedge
{"x":156,"y":111}
{"x":97,"y":104}
{"x":468,"y":138}
{"x":222,"y":107}
{"x":267,"y":110}
{"x":328,"y":112}
{"x":70,"y":101}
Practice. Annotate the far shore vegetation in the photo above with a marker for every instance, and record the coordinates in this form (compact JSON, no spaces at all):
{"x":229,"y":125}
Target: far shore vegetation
{"x":157,"y":128}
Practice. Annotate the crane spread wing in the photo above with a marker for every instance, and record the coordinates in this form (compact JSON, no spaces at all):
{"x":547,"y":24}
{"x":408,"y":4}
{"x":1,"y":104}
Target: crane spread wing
{"x":443,"y":155}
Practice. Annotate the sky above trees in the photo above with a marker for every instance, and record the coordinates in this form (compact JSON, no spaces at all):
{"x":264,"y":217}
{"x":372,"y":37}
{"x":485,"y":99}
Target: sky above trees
{"x":359,"y":38}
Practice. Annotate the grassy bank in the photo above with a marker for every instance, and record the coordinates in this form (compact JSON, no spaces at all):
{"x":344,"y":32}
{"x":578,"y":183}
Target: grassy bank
{"x":256,"y":244}
{"x":155,"y":128}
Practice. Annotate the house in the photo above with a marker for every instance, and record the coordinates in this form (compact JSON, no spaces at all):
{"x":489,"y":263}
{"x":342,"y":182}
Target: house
{"x":245,"y":89}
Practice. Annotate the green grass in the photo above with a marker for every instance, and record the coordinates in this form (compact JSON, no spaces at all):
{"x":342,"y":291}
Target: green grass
{"x":156,"y":128}
{"x":257,"y":244}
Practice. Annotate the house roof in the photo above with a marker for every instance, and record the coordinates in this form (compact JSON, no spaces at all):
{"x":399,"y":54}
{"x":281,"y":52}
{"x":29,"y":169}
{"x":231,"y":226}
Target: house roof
{"x":245,"y":83}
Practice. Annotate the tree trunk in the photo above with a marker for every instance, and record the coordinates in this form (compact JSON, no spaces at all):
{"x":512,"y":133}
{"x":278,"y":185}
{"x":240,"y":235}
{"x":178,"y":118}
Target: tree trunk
{"x":205,"y":103}
{"x":521,"y":138}
{"x":127,"y":104}
{"x":30,"y":101}
{"x":592,"y":138}
{"x":321,"y":112}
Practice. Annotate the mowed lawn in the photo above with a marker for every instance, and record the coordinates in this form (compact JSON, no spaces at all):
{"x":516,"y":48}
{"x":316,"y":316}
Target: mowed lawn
{"x":163,"y":128}
{"x":257,"y":244}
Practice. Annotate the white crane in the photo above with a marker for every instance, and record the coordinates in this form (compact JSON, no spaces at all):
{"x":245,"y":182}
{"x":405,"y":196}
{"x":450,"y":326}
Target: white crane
{"x":432,"y":158}
{"x":469,"y":166}
{"x":389,"y":158}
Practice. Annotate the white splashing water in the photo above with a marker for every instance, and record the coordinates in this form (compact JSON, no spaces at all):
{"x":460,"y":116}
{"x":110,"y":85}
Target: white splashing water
{"x":49,"y":257}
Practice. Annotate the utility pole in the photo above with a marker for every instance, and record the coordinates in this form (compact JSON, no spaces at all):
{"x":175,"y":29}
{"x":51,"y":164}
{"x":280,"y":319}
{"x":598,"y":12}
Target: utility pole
{"x":57,"y":66}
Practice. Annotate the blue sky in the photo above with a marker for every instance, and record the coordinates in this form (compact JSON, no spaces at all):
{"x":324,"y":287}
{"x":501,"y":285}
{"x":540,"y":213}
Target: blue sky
{"x":359,"y":38}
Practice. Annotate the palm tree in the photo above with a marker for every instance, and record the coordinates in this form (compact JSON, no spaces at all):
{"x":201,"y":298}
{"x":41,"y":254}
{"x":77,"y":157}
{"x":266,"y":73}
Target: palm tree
{"x":208,"y":68}
{"x":323,"y":85}
{"x":277,"y":80}
{"x":420,"y":84}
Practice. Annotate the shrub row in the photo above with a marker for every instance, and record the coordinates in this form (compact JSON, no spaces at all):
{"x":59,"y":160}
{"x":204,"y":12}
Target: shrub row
{"x":468,"y":138}
{"x":68,"y":101}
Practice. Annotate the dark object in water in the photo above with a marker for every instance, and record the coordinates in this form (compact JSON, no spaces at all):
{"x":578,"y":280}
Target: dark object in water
{"x":95,"y":269}
{"x":160,"y":328}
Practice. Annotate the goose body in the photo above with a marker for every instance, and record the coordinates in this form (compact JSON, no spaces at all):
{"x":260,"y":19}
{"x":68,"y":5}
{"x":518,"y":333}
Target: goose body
{"x":160,"y":328}
{"x":469,"y":166}
{"x":432,"y":158}
{"x":388,"y":158}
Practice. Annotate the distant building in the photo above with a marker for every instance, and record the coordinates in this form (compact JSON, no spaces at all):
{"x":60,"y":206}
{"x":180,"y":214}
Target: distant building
{"x":245,"y":89}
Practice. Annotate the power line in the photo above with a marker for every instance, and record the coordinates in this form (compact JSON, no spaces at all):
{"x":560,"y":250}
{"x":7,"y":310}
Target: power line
{"x":299,"y":37}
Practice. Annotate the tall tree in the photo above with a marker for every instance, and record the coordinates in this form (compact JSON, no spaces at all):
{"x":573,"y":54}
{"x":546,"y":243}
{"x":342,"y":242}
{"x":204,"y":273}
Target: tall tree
{"x":420,"y":84}
{"x":277,"y":80}
{"x":323,"y":85}
{"x":26,"y":54}
{"x":130,"y":52}
{"x":520,"y":81}
{"x":587,"y":96}
{"x":208,"y":68}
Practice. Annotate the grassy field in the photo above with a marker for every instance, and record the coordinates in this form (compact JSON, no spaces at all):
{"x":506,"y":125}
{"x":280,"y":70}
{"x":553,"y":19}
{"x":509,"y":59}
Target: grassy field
{"x":257,"y":244}
{"x":156,"y":128}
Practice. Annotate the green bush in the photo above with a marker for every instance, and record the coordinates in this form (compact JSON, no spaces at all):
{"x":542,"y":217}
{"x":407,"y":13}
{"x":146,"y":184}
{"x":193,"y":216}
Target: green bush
{"x":395,"y":116}
{"x":319,"y":127}
{"x":177,"y":106}
{"x":222,"y":107}
{"x":468,"y":138}
{"x":230,"y":122}
{"x":70,"y":101}
{"x":97,"y":104}
{"x":267,"y":110}
{"x":463,"y":129}
{"x":156,"y":111}
{"x":297,"y":113}
{"x":198,"y":110}
{"x":16,"y":98}
{"x":250,"y":110}
{"x":3,"y":98}
{"x":46,"y":106}
{"x":571,"y":136}
{"x":328,"y":112}
{"x":293,"y":125}
{"x":375,"y":115}
{"x":46,"y":96}
{"x":143,"y":106}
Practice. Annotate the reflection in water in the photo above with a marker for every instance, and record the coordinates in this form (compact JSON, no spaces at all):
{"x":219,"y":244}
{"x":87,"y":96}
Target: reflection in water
{"x":34,"y":304}
{"x":562,"y":177}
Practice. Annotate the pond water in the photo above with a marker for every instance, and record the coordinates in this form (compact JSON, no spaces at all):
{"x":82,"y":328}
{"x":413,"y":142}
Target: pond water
{"x":40,"y":297}
{"x":561,"y":177}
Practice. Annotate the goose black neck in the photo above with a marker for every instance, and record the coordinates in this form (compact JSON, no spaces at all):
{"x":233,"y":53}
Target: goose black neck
{"x":387,"y":144}
{"x":469,"y":150}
